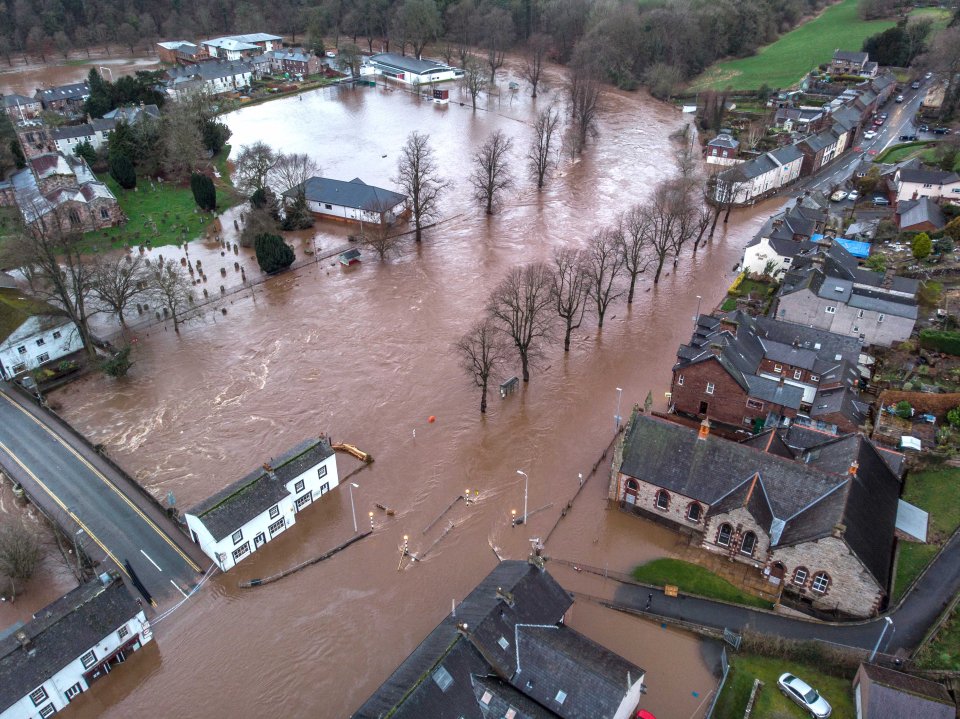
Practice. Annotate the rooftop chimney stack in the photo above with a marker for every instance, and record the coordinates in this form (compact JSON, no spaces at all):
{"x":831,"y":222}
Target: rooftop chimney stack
{"x":704,"y":429}
{"x":854,"y":466}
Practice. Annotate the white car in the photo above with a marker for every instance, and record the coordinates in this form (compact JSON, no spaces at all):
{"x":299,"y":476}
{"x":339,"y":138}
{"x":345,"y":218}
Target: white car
{"x":854,"y":195}
{"x":803,"y":694}
{"x":869,"y":135}
{"x":838,"y":196}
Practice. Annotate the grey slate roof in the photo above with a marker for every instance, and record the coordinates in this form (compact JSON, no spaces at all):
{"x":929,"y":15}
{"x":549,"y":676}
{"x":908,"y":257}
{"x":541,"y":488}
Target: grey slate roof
{"x":915,"y":212}
{"x":724,"y":140}
{"x":406,"y":63}
{"x":850,"y":56}
{"x":74,"y":91}
{"x":768,"y":390}
{"x":749,"y":170}
{"x":356,"y":194}
{"x":889,"y":694}
{"x":13,"y":100}
{"x":132,"y":113}
{"x":60,"y":633}
{"x":206,"y":71}
{"x":238,"y":503}
{"x":931,"y":177}
{"x":786,"y":154}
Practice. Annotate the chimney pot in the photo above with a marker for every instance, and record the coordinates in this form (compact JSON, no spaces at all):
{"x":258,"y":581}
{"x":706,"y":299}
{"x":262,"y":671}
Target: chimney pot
{"x":854,"y":466}
{"x":704,"y":429}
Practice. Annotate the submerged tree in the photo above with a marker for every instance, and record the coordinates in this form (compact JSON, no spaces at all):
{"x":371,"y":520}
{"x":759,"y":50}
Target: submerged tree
{"x":273,"y":254}
{"x":481,"y":352}
{"x":522,"y":305}
{"x":19,"y":554}
{"x":474,"y":78}
{"x":571,"y":289}
{"x":544,"y":128}
{"x":634,"y":239}
{"x":118,"y":280}
{"x":172,"y":288}
{"x":418,"y":178}
{"x":491,"y":171}
{"x":604,"y":264}
{"x":252,"y":167}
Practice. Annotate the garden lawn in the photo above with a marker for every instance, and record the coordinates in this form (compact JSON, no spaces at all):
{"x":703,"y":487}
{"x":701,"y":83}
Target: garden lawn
{"x":785,"y":62}
{"x":912,"y":557}
{"x":694,"y":579}
{"x":936,"y":491}
{"x":770,"y":702}
{"x":944,"y":651}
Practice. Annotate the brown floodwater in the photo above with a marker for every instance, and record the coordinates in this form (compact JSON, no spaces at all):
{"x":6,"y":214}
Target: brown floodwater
{"x":26,"y":79}
{"x":365,"y":355}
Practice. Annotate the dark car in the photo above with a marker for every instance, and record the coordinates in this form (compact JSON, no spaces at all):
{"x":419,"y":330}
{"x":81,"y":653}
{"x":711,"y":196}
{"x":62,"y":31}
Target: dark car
{"x":941,"y":131}
{"x":915,"y":85}
{"x":908,"y":138}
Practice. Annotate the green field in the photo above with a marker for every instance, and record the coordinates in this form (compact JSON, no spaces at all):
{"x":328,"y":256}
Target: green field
{"x":912,"y":557}
{"x":785,"y":62}
{"x":694,"y":579}
{"x":938,"y":492}
{"x":770,"y":702}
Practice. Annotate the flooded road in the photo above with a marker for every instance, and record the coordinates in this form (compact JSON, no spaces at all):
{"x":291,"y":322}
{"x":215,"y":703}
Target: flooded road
{"x":26,"y":79}
{"x":365,"y":355}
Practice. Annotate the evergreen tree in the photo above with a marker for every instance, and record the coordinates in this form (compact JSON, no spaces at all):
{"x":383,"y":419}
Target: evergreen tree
{"x":215,"y":135}
{"x":100,"y":101}
{"x":298,"y":215}
{"x":86,"y":151}
{"x":121,"y":170}
{"x":922,"y":246}
{"x":204,"y":192}
{"x":18,"y":157}
{"x":273,"y":254}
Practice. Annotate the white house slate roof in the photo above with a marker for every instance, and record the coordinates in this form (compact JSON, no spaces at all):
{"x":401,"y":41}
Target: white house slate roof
{"x":916,"y":212}
{"x":75,"y":91}
{"x":207,"y":71}
{"x":851,"y":56}
{"x":59,"y":633}
{"x":404,"y":63}
{"x":355,"y":194}
{"x":238,"y":503}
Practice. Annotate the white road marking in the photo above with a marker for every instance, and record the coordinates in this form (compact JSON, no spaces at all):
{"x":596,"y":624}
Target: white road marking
{"x":151,"y":561}
{"x":178,"y":589}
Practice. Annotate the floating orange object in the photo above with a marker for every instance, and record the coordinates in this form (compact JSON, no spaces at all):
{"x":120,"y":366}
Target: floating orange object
{"x":431,"y":419}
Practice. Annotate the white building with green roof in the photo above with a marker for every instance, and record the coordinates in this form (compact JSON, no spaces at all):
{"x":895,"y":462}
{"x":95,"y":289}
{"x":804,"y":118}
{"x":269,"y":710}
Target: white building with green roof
{"x":32,"y":333}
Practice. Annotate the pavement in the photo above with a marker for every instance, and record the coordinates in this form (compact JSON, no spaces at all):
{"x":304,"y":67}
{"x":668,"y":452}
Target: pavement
{"x":90,"y":499}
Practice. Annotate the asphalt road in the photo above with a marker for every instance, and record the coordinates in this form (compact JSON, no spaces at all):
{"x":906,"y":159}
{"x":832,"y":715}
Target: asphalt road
{"x":86,"y":494}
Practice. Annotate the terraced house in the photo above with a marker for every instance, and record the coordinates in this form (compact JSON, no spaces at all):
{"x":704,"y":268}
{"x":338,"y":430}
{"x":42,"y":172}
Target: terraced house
{"x":816,"y":517}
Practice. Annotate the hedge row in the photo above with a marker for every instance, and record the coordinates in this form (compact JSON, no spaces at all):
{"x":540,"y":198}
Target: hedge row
{"x":941,"y":341}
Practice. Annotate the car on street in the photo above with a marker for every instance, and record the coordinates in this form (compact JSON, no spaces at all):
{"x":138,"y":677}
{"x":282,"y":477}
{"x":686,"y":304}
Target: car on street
{"x":899,"y":99}
{"x":924,"y":128}
{"x":804,"y":695}
{"x":879,"y":121}
{"x":869,"y":134}
{"x":881,"y":201}
{"x":915,"y":84}
{"x":839,"y":196}
{"x":941,"y":131}
{"x":908,"y":138}
{"x":928,"y":76}
{"x":854,"y":195}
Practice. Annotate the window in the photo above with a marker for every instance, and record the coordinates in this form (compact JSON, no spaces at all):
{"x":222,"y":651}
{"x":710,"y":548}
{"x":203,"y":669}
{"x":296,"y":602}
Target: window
{"x":663,"y":500}
{"x":276,"y":526}
{"x":38,"y":696}
{"x":41,"y":342}
{"x":926,"y":187}
{"x":748,"y":544}
{"x":321,"y":472}
{"x":561,"y":696}
{"x":504,"y":644}
{"x":800,"y":576}
{"x":88,"y":659}
{"x":786,"y":260}
{"x":723,"y":536}
{"x":880,"y":318}
{"x":44,"y":357}
{"x":754,"y":404}
{"x":73,"y":691}
{"x":56,"y":335}
{"x":22,"y":349}
{"x":329,"y":207}
{"x":304,"y":500}
{"x":104,"y":214}
{"x":831,"y":310}
{"x":240,"y":551}
{"x":298,"y":487}
{"x":820,"y":582}
{"x":123,"y":631}
{"x":694,"y":512}
{"x":48,"y":711}
{"x":814,"y":378}
{"x":710,"y":388}
{"x":274,"y":511}
{"x":797,"y":373}
{"x":679,"y":380}
{"x":778,"y":368}
{"x":237,"y":536}
{"x":324,"y":488}
{"x":18,"y":368}
{"x":74,"y":218}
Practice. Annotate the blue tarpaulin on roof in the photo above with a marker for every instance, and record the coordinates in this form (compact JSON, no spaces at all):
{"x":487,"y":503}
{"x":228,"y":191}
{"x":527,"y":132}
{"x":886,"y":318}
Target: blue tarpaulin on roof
{"x":854,"y":247}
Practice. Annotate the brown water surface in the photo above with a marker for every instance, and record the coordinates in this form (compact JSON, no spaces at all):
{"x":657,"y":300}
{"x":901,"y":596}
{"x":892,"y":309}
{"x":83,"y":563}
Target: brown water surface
{"x":364,"y":354}
{"x":25,"y":80}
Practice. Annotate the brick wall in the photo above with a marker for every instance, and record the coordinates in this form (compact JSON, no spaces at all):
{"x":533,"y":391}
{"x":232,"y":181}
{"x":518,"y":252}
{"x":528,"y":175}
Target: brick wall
{"x":727,"y":404}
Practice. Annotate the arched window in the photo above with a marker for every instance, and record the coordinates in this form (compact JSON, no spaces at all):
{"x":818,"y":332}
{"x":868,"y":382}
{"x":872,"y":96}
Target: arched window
{"x":800,"y":575}
{"x":663,"y":499}
{"x":633,"y":485}
{"x":820,"y":582}
{"x":694,"y":512}
{"x":748,"y":544}
{"x":74,"y":217}
{"x":724,"y":534}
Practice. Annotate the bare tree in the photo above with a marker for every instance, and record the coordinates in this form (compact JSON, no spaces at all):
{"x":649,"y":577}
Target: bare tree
{"x":634,"y":236}
{"x":702,"y":216}
{"x":686,"y":155}
{"x":583,"y":95}
{"x":544,"y":128}
{"x":755,"y":132}
{"x":667,"y":218}
{"x":290,"y":171}
{"x":420,"y":20}
{"x":50,"y":254}
{"x":725,"y":190}
{"x":474,"y":78}
{"x":350,"y":57}
{"x":378,"y":239}
{"x":537,"y":47}
{"x":498,"y":34}
{"x":604,"y":262}
{"x":417,"y":176}
{"x":173,"y":290}
{"x":117,"y":281}
{"x":571,"y":289}
{"x":19,"y":554}
{"x":481,"y":352}
{"x":522,"y":305}
{"x":491,"y":171}
{"x":463,"y":26}
{"x":252,"y":167}
{"x":181,"y":141}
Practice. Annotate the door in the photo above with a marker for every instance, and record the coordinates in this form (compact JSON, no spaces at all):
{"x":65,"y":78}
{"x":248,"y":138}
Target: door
{"x":259,"y":540}
{"x":703,"y":408}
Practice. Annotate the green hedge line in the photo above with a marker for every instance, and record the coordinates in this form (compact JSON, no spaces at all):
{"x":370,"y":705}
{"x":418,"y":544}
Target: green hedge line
{"x":941,"y":341}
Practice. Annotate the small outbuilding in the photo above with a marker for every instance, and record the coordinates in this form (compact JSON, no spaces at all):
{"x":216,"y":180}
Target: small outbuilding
{"x":882,"y":693}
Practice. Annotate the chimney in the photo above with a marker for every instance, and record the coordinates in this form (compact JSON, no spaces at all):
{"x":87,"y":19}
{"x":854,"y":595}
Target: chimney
{"x":854,"y":466}
{"x":23,"y":638}
{"x":463,"y":628}
{"x":704,"y":429}
{"x":507,"y":597}
{"x":269,"y":470}
{"x":839,"y":530}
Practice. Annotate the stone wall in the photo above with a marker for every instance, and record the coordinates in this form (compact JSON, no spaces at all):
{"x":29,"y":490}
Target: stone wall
{"x":742,"y":522}
{"x":645,"y":497}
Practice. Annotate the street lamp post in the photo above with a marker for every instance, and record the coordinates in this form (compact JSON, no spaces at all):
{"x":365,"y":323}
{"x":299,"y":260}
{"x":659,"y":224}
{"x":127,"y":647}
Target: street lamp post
{"x":616,"y":417}
{"x":696,"y":317}
{"x":888,"y":622}
{"x":353,"y":510}
{"x":526,"y":482}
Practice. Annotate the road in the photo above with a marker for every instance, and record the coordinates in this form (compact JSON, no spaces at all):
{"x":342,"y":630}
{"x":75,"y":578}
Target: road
{"x":93,"y":500}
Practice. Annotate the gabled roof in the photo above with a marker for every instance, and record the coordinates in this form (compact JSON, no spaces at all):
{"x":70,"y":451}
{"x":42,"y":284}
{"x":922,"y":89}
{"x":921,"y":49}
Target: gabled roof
{"x":911,"y":213}
{"x":206,"y":71}
{"x":13,"y":100}
{"x":17,"y":307}
{"x":132,"y":113}
{"x":851,"y":56}
{"x":356,"y":194}
{"x":786,"y":154}
{"x":238,"y":503}
{"x":724,"y":140}
{"x":894,"y":695}
{"x":60,"y":633}
{"x":928,"y":177}
{"x":74,"y":91}
{"x":406,"y":63}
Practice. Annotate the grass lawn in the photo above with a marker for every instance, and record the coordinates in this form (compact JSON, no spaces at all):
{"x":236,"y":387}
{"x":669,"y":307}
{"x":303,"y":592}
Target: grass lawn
{"x":912,"y":557}
{"x":784,"y":62}
{"x":694,"y":579}
{"x":944,"y":651}
{"x":771,"y":704}
{"x":936,"y":491}
{"x":940,"y":16}
{"x":904,"y":151}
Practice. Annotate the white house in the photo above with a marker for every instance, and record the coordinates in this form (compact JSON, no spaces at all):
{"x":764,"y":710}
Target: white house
{"x":67,"y":646}
{"x":238,"y":520}
{"x":353,"y":201}
{"x":935,"y":184}
{"x":32,"y":333}
{"x":236,"y":47}
{"x":211,"y":77}
{"x":751,"y":180}
{"x":96,"y":132}
{"x":412,"y":71}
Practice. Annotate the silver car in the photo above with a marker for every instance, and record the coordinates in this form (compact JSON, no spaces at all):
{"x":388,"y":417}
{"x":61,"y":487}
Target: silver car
{"x":804,"y":695}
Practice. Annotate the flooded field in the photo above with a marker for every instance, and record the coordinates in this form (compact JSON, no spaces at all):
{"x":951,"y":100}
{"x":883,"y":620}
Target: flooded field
{"x":365,"y":355}
{"x":25,"y":79}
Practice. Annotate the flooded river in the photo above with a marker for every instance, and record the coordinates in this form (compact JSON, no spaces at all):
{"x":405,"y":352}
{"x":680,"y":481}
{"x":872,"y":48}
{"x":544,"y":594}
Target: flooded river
{"x":365,"y":356}
{"x":26,"y":79}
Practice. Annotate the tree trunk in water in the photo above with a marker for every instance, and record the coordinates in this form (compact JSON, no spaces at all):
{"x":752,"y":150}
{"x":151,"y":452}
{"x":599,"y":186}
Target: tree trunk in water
{"x":176,"y":323}
{"x":656,"y":277}
{"x":727,"y":216}
{"x":419,"y":229}
{"x":483,"y":398}
{"x":526,"y":366}
{"x":490,"y":204}
{"x":601,"y":311}
{"x":716,"y":216}
{"x":633,"y":285}
{"x":566,"y":336}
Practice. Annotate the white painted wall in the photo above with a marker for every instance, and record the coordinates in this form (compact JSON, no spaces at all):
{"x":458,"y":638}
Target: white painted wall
{"x":37,"y":339}
{"x":755,"y":258}
{"x":352,"y":213}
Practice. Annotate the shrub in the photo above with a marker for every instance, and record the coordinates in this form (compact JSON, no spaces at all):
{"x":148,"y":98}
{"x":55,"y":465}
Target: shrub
{"x":273,"y":254}
{"x":118,"y":365}
{"x":903,"y":409}
{"x":922,"y":246}
{"x":121,"y":170}
{"x":204,"y":192}
{"x":953,"y":417}
{"x":941,"y":341}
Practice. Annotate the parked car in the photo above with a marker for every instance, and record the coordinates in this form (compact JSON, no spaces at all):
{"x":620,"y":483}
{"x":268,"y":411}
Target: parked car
{"x":879,"y":121}
{"x":803,"y":694}
{"x":908,"y":138}
{"x":838,"y":196}
{"x":881,"y":201}
{"x":941,"y":131}
{"x":899,"y":98}
{"x":869,"y":134}
{"x":884,"y":116}
{"x":924,"y":128}
{"x":928,"y":76}
{"x":854,"y":195}
{"x":915,"y":84}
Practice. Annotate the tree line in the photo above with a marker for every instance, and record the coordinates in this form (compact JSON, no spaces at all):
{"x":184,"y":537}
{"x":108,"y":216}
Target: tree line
{"x":658,"y":44}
